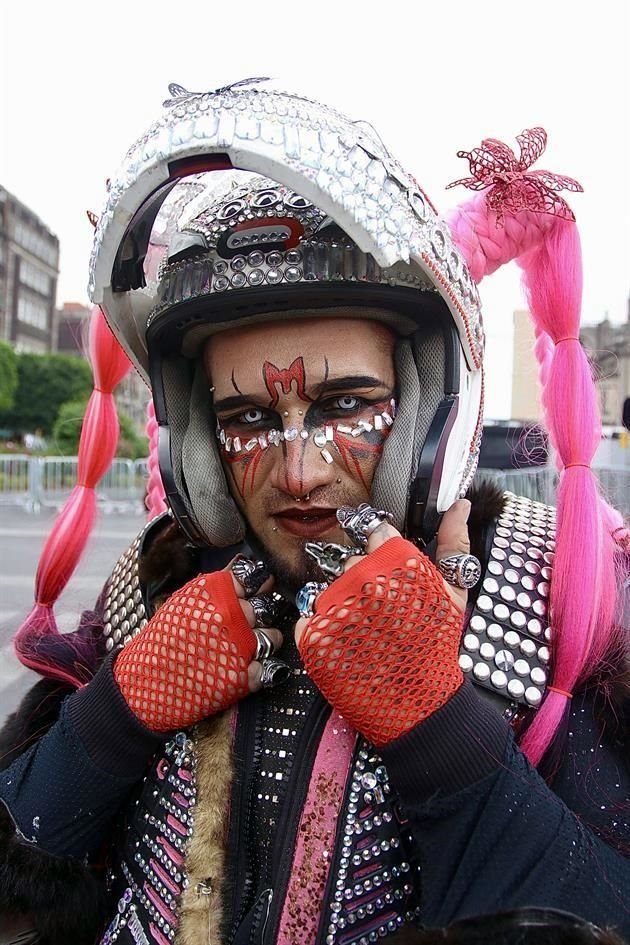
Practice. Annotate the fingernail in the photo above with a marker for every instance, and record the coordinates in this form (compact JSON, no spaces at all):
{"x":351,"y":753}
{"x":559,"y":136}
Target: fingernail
{"x":466,"y":506}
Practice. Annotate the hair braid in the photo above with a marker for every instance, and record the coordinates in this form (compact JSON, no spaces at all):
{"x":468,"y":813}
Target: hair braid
{"x":38,"y":643}
{"x":584,"y":585}
{"x":155,"y":500}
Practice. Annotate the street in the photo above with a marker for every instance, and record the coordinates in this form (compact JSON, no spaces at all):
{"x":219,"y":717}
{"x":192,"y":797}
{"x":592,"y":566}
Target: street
{"x":22,"y":536}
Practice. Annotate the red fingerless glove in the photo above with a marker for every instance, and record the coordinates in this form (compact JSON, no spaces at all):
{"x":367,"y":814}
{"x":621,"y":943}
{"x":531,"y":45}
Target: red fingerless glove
{"x":191,"y":659}
{"x":383,"y":644}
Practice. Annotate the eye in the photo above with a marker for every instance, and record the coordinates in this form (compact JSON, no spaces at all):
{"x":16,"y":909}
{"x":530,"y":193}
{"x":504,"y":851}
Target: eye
{"x":253,"y":415}
{"x":347,"y":402}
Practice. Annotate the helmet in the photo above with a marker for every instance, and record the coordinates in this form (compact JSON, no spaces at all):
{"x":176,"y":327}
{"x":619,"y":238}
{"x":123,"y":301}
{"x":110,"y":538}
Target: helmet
{"x":335,"y":223}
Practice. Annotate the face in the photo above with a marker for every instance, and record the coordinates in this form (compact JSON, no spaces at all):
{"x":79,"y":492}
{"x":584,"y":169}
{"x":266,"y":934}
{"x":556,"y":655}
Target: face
{"x":303,"y":411}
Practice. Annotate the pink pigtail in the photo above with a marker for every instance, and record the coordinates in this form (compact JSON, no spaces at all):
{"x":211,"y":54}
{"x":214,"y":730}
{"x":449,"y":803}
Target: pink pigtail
{"x":38,"y":643}
{"x":155,"y":500}
{"x":584,"y":584}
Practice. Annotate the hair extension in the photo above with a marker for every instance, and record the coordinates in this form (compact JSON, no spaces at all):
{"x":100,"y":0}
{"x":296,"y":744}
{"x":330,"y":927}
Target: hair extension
{"x":584,"y":585}
{"x":38,"y":643}
{"x":154,"y":500}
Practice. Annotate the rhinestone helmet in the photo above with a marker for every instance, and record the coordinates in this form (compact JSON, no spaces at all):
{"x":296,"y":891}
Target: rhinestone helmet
{"x":335,"y":223}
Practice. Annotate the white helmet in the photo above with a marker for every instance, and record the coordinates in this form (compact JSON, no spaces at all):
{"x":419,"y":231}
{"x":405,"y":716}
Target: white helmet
{"x":334,"y":223}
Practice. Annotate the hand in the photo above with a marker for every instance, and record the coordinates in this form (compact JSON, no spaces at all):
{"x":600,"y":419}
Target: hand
{"x":383,"y":643}
{"x":195,"y":657}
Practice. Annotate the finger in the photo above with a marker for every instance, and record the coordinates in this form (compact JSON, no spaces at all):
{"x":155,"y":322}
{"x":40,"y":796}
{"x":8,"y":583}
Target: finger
{"x":299,"y":629}
{"x":274,"y":635}
{"x":249,"y":577}
{"x":254,"y":671}
{"x":277,"y":673}
{"x":453,"y":538}
{"x":380,"y":535}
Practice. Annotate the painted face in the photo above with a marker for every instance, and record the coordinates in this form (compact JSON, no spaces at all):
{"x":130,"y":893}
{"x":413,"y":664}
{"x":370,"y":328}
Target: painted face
{"x":303,"y":410}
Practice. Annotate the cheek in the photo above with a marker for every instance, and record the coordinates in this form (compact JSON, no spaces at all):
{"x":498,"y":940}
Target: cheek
{"x":247,"y":468}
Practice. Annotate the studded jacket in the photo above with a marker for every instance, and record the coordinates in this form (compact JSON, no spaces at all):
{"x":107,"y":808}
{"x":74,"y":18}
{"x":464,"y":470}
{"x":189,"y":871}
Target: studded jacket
{"x":276,"y":823}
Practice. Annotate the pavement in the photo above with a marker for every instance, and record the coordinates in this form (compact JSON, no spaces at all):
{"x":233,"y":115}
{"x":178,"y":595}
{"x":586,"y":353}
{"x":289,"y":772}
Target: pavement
{"x":22,"y":537}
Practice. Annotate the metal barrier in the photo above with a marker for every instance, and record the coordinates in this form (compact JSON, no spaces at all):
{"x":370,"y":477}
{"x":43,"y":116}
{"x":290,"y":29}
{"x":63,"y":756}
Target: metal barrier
{"x":540,"y":483}
{"x":35,"y":482}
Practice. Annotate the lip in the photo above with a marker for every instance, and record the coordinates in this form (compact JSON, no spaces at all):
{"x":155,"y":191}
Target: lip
{"x":307,"y":523}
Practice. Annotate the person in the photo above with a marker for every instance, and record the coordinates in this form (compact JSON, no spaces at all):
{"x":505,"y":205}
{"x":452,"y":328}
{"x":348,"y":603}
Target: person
{"x":337,"y":693}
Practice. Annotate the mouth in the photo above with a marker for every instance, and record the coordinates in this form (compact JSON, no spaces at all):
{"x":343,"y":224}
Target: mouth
{"x":307,"y":523}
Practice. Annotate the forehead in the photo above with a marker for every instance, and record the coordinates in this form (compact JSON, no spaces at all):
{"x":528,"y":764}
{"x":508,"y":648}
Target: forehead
{"x":326,"y":345}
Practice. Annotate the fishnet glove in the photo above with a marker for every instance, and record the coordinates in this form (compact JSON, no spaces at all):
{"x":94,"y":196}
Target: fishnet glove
{"x":191,"y":659}
{"x":383,"y":644}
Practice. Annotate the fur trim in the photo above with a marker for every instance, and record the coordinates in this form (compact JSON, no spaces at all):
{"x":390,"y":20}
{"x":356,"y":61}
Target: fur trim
{"x":201,"y":903}
{"x":63,"y":899}
{"x":37,"y":712}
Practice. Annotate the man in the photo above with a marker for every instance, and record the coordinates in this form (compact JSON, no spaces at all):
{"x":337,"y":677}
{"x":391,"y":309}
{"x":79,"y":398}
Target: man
{"x":242,"y":772}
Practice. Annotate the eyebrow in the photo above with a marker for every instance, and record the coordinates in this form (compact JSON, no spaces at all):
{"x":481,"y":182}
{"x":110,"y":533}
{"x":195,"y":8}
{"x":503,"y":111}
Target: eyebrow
{"x":348,"y":382}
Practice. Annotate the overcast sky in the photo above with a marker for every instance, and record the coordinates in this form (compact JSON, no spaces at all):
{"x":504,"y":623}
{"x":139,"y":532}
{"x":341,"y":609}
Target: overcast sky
{"x":79,"y":82}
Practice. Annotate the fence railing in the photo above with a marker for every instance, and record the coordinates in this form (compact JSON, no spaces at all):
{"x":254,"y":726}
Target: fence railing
{"x":45,"y":482}
{"x":36,"y":482}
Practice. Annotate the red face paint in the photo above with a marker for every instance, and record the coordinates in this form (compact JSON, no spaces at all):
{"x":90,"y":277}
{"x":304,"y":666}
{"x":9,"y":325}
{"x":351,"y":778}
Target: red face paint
{"x":285,"y":377}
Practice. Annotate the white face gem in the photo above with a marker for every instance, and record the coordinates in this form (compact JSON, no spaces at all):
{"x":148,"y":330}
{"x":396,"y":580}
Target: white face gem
{"x":378,"y":422}
{"x":262,"y":441}
{"x":344,"y":428}
{"x":236,"y":445}
{"x":304,"y":434}
{"x":330,"y":433}
{"x":290,"y":434}
{"x":365,"y":426}
{"x":356,"y":432}
{"x":386,"y":417}
{"x":327,"y":456}
{"x":222,"y":437}
{"x":228,"y":444}
{"x":249,"y":446}
{"x":319,"y":438}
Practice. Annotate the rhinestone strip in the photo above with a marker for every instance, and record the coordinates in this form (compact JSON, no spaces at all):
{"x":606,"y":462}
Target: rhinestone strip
{"x":373,"y":893}
{"x":157,"y":835}
{"x":343,"y":165}
{"x":507,"y":644}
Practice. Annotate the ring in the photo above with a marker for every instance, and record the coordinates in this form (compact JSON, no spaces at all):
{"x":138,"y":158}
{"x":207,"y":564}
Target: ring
{"x":461,"y":570}
{"x":359,"y":523}
{"x":264,"y":646}
{"x":251,"y":575}
{"x":330,"y":557}
{"x":306,"y":597}
{"x":273,"y":673}
{"x":266,"y":609}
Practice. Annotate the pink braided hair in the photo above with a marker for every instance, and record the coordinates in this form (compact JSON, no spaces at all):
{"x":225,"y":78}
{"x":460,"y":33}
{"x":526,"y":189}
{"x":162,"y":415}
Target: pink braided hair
{"x":584,"y":584}
{"x":38,"y":643}
{"x":154,"y":500}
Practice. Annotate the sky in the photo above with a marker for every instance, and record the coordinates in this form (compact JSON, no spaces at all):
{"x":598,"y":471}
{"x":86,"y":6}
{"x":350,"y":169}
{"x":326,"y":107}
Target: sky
{"x":80,"y":82}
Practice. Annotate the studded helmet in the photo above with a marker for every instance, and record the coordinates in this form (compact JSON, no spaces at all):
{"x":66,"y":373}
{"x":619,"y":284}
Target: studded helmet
{"x":335,"y":223}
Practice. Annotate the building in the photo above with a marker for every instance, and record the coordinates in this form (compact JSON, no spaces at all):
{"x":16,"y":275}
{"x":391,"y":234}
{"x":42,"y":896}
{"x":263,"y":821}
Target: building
{"x":608,"y":347}
{"x":29,"y":267}
{"x":525,"y":387}
{"x":73,"y":320}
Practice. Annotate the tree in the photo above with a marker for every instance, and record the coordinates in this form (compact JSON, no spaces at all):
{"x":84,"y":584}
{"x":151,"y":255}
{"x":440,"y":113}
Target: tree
{"x":45,"y":382}
{"x":8,"y":375}
{"x":67,"y":430}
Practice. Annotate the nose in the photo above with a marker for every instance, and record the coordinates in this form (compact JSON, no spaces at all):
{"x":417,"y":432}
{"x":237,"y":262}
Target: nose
{"x":299,"y":468}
